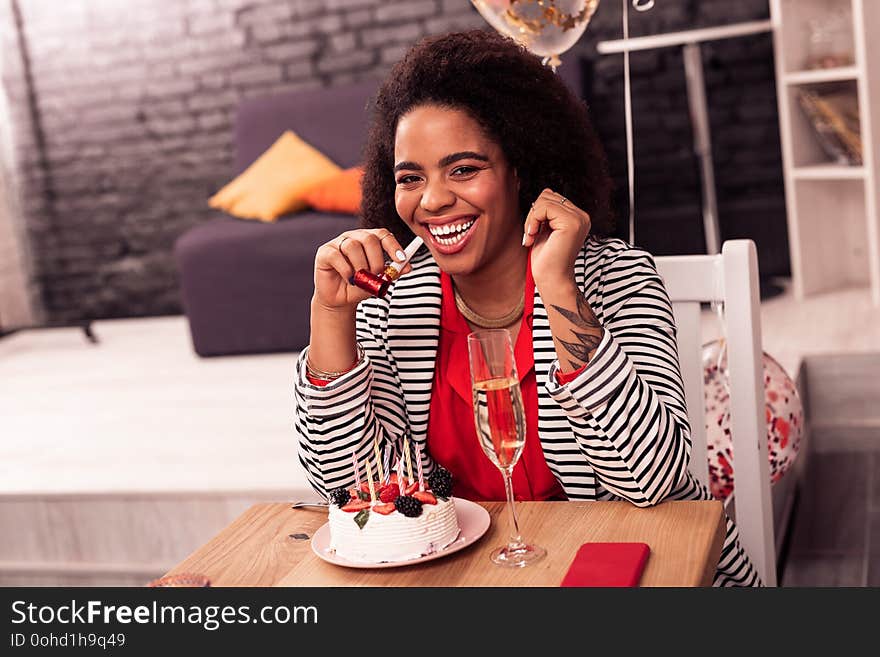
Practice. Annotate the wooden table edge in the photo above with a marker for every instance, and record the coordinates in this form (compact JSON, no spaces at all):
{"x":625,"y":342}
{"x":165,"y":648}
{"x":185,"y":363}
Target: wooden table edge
{"x":716,"y":546}
{"x":213,"y":556}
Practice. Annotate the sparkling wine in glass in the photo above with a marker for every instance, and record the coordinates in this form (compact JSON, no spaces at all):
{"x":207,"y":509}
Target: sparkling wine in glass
{"x":501,"y":426}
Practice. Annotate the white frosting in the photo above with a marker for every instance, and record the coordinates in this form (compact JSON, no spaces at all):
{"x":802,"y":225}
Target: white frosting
{"x":394,"y":537}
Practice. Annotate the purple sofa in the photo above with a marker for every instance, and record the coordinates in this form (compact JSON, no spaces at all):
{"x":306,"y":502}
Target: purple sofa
{"x":246,"y":285}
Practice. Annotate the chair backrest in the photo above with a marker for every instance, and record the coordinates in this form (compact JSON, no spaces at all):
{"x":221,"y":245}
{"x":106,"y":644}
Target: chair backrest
{"x":731,"y":278}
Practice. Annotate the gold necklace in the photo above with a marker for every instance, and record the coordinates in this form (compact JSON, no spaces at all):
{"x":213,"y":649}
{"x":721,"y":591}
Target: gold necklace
{"x":487,"y":322}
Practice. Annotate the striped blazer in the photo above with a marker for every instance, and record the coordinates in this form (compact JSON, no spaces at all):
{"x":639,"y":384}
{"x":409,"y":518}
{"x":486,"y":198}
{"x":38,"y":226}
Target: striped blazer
{"x":618,"y":431}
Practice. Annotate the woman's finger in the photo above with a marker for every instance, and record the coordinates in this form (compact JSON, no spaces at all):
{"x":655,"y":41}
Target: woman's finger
{"x":555,"y":197}
{"x":540,"y":213}
{"x":331,"y":258}
{"x":555,"y":211}
{"x":391,"y":245}
{"x":354,"y":252}
{"x":373,"y":249}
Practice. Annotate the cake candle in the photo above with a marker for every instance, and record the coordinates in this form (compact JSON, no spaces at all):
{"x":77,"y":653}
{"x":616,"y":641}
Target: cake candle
{"x":378,"y":452}
{"x":357,"y":477}
{"x":370,"y":483}
{"x":378,"y":285}
{"x":387,"y":464}
{"x":419,"y":464}
{"x":400,"y":486}
{"x":409,"y":470}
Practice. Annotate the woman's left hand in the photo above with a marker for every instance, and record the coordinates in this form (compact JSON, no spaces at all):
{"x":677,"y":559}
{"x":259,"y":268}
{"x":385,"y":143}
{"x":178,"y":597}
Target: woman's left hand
{"x":556,"y":229}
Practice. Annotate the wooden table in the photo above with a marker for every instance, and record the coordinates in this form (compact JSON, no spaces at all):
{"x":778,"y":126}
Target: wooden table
{"x":269,"y":545}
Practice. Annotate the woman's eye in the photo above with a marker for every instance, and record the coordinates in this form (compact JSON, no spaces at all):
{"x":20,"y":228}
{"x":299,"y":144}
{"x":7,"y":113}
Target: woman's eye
{"x":463,"y":170}
{"x":407,"y":180}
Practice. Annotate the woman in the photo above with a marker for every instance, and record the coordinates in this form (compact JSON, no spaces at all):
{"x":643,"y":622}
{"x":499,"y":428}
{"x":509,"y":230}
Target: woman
{"x":484,"y":153}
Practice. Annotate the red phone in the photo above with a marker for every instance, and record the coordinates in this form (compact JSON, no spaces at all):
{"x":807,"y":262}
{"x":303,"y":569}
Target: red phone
{"x":607,"y":564}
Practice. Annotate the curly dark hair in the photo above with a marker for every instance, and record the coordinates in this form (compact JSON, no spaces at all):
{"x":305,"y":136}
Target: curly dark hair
{"x":543,"y":129}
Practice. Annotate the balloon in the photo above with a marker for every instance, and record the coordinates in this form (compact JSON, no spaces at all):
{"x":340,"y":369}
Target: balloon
{"x":545,"y":27}
{"x":783,"y":408}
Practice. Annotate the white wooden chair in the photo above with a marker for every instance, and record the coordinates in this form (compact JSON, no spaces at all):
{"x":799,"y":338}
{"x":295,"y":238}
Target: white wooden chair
{"x":731,"y":278}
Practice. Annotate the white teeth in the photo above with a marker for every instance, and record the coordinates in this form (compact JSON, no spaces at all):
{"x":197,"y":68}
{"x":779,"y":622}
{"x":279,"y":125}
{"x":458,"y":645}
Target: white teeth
{"x":450,"y":229}
{"x":448,"y":241}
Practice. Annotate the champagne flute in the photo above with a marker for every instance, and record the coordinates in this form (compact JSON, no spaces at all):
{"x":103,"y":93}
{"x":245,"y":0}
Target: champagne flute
{"x":501,"y":426}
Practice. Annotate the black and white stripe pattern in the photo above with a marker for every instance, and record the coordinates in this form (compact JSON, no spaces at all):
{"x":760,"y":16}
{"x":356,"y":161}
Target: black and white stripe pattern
{"x":618,"y":431}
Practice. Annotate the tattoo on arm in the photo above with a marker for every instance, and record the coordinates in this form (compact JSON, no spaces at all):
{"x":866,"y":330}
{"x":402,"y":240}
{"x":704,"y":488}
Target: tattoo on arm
{"x":582,"y":348}
{"x":586,"y":341}
{"x":583,"y":318}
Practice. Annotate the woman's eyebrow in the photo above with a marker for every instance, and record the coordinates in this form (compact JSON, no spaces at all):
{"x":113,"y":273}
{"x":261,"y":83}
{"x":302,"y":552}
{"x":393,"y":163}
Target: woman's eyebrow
{"x":462,"y":155}
{"x":407,"y":165}
{"x":446,"y":161}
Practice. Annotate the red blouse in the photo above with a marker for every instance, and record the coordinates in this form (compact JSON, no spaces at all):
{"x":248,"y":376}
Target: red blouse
{"x":452,"y":436}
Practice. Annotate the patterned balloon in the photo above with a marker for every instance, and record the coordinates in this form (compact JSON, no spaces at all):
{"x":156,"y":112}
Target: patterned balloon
{"x":784,"y":411}
{"x":546,"y":27}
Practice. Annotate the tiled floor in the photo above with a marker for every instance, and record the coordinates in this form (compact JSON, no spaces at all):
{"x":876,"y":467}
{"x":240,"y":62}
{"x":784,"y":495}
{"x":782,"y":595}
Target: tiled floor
{"x":835,"y":532}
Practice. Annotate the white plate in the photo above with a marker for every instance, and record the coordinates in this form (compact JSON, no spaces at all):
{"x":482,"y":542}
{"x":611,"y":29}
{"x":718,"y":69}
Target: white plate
{"x":473,"y":520}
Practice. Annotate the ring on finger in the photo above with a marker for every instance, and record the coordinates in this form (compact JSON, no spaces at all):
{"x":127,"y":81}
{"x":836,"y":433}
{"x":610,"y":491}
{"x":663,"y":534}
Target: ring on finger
{"x":341,"y":242}
{"x":563,"y":201}
{"x":385,"y":237}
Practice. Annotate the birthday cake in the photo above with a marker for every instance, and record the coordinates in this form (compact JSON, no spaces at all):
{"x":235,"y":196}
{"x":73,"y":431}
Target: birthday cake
{"x":395,"y":520}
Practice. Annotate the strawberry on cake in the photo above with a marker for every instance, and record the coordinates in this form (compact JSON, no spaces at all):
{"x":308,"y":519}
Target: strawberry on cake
{"x":406,"y":521}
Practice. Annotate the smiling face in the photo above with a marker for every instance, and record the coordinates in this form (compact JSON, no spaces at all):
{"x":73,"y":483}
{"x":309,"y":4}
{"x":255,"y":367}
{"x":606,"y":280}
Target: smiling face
{"x":455,"y":189}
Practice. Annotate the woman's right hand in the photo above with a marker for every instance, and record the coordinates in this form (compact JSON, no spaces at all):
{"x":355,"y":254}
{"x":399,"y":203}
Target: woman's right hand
{"x":338,"y":260}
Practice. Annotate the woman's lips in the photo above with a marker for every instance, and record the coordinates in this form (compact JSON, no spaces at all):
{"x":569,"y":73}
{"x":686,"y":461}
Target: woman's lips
{"x":449,"y":249}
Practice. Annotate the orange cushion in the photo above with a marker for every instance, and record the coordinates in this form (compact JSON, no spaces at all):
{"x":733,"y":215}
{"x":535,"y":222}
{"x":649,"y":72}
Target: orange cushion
{"x":339,"y":193}
{"x":275,"y":183}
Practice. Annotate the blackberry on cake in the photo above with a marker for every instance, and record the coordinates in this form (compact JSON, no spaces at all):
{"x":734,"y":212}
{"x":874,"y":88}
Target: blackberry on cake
{"x":340,"y":496}
{"x":440,"y":482}
{"x":408,"y":506}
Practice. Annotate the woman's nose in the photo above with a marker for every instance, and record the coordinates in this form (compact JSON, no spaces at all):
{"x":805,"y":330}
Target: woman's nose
{"x":436,"y":196}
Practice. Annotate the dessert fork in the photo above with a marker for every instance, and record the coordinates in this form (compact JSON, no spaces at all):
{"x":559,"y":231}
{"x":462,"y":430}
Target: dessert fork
{"x":297,"y":505}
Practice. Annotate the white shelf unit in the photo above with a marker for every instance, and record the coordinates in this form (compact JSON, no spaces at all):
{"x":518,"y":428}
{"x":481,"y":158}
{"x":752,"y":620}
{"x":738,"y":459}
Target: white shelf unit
{"x":834,"y":237}
{"x":822,"y":75}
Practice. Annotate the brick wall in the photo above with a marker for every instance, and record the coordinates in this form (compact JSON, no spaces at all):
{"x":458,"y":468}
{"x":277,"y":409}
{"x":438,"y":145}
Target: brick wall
{"x":133,"y":101}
